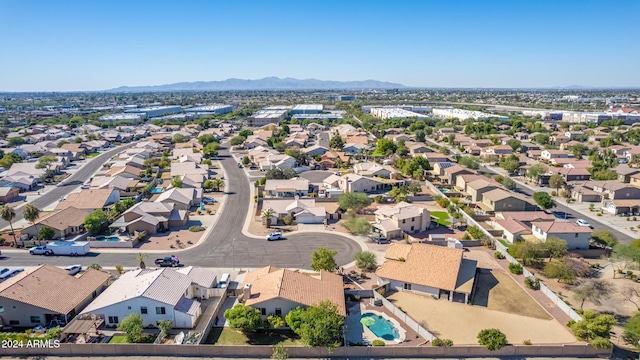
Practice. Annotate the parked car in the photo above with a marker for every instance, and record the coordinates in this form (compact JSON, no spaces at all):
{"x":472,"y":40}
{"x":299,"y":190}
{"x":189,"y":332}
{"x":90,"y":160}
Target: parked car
{"x":382,"y":240}
{"x":73,"y":269}
{"x":253,"y":167}
{"x":208,"y":200}
{"x":274,"y":236}
{"x":583,"y":222}
{"x":240,"y":165}
{"x":85,"y":186}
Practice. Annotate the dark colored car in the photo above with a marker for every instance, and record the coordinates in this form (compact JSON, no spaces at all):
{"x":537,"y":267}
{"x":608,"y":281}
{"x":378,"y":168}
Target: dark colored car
{"x":166,"y":261}
{"x":382,"y":240}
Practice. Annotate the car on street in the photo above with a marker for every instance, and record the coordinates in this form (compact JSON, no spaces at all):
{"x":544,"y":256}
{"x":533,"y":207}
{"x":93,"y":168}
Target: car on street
{"x":168,"y":261}
{"x":561,"y":215}
{"x":240,"y":165}
{"x":583,"y":222}
{"x":274,"y":236}
{"x":73,"y":269}
{"x":382,"y":240}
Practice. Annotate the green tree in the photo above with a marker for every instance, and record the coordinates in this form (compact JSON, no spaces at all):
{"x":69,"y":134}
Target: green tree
{"x":237,"y":140}
{"x":165,"y":327}
{"x":206,"y":139}
{"x":94,"y":266}
{"x":45,"y":162}
{"x":510,"y":163}
{"x":140,"y":257}
{"x":324,"y":259}
{"x":267,"y":214}
{"x":294,"y":319}
{"x":631,"y":334}
{"x":593,"y":291}
{"x":16,"y":141}
{"x":556,"y":181}
{"x":470,"y":162}
{"x":385,"y":147}
{"x":594,"y":328}
{"x":178,"y":138}
{"x":245,"y":133}
{"x":556,"y":247}
{"x":132,"y":327}
{"x":544,"y":200}
{"x":508,"y":183}
{"x":536,"y":170}
{"x":246,"y":161}
{"x":542,"y":139}
{"x":31,"y":214}
{"x":279,"y":352}
{"x":46,"y":233}
{"x":96,"y":221}
{"x":514,"y":143}
{"x":319,"y":325}
{"x":275,"y":321}
{"x":492,"y":339}
{"x":365,"y":260}
{"x":8,"y":214}
{"x":354,"y":200}
{"x":211,"y":149}
{"x":244,"y":318}
{"x":604,"y":237}
{"x":357,"y":225}
{"x":578,"y":150}
{"x":176,"y":182}
{"x":336,"y":142}
{"x":559,"y":270}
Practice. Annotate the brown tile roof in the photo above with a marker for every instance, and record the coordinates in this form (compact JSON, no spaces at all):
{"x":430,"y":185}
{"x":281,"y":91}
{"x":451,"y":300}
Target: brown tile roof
{"x":560,"y":227}
{"x":52,"y":288}
{"x":122,"y":169}
{"x":63,"y":219}
{"x":427,"y":265}
{"x":271,"y":282}
{"x":86,"y":199}
{"x":73,"y":147}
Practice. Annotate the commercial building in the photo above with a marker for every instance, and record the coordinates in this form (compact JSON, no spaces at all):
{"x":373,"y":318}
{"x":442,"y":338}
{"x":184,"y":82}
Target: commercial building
{"x":330,"y":115}
{"x":156,"y":111}
{"x":599,"y":117}
{"x":264,"y":117}
{"x":210,"y":109}
{"x":449,"y":113}
{"x":395,"y":113}
{"x":306,"y":109}
{"x":123,"y":117}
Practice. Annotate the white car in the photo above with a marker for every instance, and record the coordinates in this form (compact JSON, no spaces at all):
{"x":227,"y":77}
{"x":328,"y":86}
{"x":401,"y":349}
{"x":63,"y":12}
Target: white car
{"x":73,"y":269}
{"x":583,"y":222}
{"x":274,"y":236}
{"x":85,"y":186}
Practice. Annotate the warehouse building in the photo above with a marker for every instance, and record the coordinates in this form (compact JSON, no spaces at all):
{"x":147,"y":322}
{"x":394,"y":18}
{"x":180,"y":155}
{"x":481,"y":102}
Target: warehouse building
{"x":395,"y":113}
{"x":210,"y":109}
{"x":306,"y":109}
{"x":156,"y":111}
{"x":123,"y":117}
{"x":264,"y":117}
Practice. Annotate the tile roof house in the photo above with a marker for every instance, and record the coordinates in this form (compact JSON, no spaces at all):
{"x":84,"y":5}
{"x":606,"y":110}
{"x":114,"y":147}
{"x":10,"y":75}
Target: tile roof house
{"x":66,"y":222}
{"x":124,"y":170}
{"x":44,"y":294}
{"x":428,"y":269}
{"x":8,"y":193}
{"x":183,"y":198}
{"x":277,"y":291}
{"x":577,"y":237}
{"x":162,"y":294}
{"x":151,"y":217}
{"x":303,"y":211}
{"x":90,"y":199}
{"x":188,"y":168}
{"x":286,"y":188}
{"x":514,"y":224}
{"x":503,"y":200}
{"x":371,"y":169}
{"x":392,"y":221}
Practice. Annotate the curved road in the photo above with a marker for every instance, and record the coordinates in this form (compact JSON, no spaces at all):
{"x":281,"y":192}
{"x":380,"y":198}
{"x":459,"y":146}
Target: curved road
{"x":220,"y":249}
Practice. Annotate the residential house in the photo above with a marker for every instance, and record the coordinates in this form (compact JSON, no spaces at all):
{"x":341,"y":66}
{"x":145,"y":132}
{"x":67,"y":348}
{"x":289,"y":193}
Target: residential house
{"x":553,"y":154}
{"x":359,"y":183}
{"x":436,"y":158}
{"x":124,"y":171}
{"x":303,"y":211}
{"x":392,"y":221}
{"x":183,"y":198}
{"x":160,"y":294}
{"x":500,"y":150}
{"x":515,"y":224}
{"x":371,"y":169}
{"x":47,"y":295}
{"x":151,"y":217}
{"x":187,"y":155}
{"x":8,"y":193}
{"x":279,"y":161}
{"x":277,"y":291}
{"x":571,"y":174}
{"x":26,"y":169}
{"x":585,"y":193}
{"x":477,"y":188}
{"x":20,"y":180}
{"x":65,"y":223}
{"x":417,"y":148}
{"x":503,"y":200}
{"x":315,"y":150}
{"x":432,"y":270}
{"x":438,"y":168}
{"x":451,"y":173}
{"x":625,"y":172}
{"x":90,"y":199}
{"x":286,"y":188}
{"x":332,"y":159}
{"x":188,"y":168}
{"x":614,"y":190}
{"x":117,"y":182}
{"x":577,"y":237}
{"x":254,"y":141}
{"x":354,"y":148}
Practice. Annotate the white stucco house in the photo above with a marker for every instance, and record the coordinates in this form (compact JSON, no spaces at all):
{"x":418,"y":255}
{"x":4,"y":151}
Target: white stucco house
{"x":577,"y":237}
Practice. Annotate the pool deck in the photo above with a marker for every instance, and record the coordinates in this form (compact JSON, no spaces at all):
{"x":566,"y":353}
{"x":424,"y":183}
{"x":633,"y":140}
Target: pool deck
{"x":369,"y":336}
{"x":411,"y":338}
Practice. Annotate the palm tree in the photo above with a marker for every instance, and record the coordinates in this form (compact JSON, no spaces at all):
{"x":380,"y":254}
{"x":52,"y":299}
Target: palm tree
{"x":141,"y":257}
{"x":31,"y":214}
{"x":7,"y":214}
{"x":217,"y":184}
{"x":266,"y":215}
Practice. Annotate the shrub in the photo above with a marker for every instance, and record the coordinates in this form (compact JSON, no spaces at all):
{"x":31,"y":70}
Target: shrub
{"x":526,"y":342}
{"x":442,"y":342}
{"x":379,"y":199}
{"x":377,"y":342}
{"x":515,"y":268}
{"x":443,"y":202}
{"x":532,"y":283}
{"x":196,"y":228}
{"x":288,"y":220}
{"x":492,"y":339}
{"x":498,"y":255}
{"x":553,"y":193}
{"x":635,"y":218}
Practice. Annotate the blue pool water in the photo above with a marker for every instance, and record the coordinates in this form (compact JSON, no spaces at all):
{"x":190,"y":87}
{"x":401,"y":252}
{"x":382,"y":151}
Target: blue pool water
{"x":110,"y":238}
{"x":157,"y":190}
{"x":444,"y":191}
{"x":382,"y":327}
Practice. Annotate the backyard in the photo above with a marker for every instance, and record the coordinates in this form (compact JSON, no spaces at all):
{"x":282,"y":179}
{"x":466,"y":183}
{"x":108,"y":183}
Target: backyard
{"x":441,"y":217}
{"x":228,"y":336}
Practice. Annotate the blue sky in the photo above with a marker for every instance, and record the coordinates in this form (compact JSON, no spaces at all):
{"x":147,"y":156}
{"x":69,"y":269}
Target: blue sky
{"x":95,"y":45}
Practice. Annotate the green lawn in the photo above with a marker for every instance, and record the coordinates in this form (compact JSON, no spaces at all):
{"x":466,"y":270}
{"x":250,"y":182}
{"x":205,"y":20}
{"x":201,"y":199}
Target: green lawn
{"x":442,"y":217}
{"x":92,"y":155}
{"x":506,"y":244}
{"x":227,"y":336}
{"x":118,"y":339}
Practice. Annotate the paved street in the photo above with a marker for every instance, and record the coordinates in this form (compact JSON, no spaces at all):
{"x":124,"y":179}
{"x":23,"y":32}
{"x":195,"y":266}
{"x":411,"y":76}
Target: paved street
{"x":70,"y":184}
{"x":220,"y":250}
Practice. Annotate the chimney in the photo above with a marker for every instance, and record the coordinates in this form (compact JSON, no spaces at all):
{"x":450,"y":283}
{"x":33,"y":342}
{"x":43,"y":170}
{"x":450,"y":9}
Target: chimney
{"x":246,"y":292}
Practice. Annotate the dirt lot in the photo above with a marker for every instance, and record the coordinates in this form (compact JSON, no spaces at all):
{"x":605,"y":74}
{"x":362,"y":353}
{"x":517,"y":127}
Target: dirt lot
{"x":461,"y":322}
{"x":496,"y":290}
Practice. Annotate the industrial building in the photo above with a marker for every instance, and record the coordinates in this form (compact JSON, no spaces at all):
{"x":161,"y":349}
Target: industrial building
{"x":330,"y":115}
{"x":123,"y":117}
{"x":449,"y":113}
{"x":157,"y":111}
{"x":395,"y":113}
{"x":210,"y":109}
{"x":599,"y":117}
{"x":343,"y":97}
{"x":307,"y":109}
{"x":264,"y":117}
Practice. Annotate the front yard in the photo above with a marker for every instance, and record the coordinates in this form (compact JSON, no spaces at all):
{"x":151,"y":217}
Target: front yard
{"x":228,"y":336}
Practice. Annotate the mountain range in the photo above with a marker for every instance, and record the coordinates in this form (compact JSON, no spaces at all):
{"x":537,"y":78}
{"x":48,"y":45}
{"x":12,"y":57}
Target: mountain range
{"x":268,"y":83}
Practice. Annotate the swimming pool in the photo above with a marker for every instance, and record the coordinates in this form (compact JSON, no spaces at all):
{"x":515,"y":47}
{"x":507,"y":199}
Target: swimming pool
{"x":380,"y":326}
{"x":110,"y":238}
{"x":157,"y":190}
{"x":444,"y":191}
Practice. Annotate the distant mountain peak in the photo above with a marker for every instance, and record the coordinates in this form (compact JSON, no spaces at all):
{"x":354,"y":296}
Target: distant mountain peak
{"x":267,"y":83}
